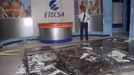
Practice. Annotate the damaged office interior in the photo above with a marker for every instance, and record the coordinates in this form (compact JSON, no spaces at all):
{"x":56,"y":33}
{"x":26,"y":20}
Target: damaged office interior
{"x":45,"y":37}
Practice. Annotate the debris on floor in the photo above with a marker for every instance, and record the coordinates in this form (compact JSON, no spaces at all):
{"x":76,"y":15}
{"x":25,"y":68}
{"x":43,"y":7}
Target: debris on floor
{"x":118,"y":56}
{"x":100,"y":57}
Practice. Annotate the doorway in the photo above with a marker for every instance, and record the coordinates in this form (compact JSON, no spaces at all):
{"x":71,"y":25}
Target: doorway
{"x":121,"y":17}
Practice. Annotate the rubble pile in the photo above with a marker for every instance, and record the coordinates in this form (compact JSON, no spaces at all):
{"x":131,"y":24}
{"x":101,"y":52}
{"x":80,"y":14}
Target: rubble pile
{"x":98,"y":57}
{"x":40,"y":63}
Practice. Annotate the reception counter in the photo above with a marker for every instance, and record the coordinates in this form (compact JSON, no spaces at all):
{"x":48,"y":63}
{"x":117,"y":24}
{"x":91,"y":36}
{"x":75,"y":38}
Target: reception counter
{"x":53,"y":33}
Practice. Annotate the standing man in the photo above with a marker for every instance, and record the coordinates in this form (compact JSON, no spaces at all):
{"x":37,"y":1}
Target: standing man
{"x":84,"y":17}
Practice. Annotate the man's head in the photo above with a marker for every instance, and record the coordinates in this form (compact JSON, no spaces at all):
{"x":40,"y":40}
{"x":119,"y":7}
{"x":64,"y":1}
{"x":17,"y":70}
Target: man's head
{"x":83,"y":9}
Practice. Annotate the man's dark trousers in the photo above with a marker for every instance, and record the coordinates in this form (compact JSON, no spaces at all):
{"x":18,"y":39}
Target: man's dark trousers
{"x":83,"y":27}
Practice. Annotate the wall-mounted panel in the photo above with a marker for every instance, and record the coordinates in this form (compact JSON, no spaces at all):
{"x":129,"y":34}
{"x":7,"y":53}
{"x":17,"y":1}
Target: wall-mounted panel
{"x":117,"y":13}
{"x":15,"y":28}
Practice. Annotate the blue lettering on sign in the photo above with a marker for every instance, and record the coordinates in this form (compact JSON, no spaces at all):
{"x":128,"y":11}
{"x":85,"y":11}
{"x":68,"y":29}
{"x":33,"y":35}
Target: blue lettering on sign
{"x":54,"y":14}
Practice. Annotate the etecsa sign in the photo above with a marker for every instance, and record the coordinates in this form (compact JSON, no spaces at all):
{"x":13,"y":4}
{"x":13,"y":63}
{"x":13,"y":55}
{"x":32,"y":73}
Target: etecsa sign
{"x":53,"y":5}
{"x":53,"y":11}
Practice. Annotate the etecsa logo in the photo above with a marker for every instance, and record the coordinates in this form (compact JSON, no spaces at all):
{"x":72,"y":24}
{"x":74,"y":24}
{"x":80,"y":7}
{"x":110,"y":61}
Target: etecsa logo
{"x":53,"y":5}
